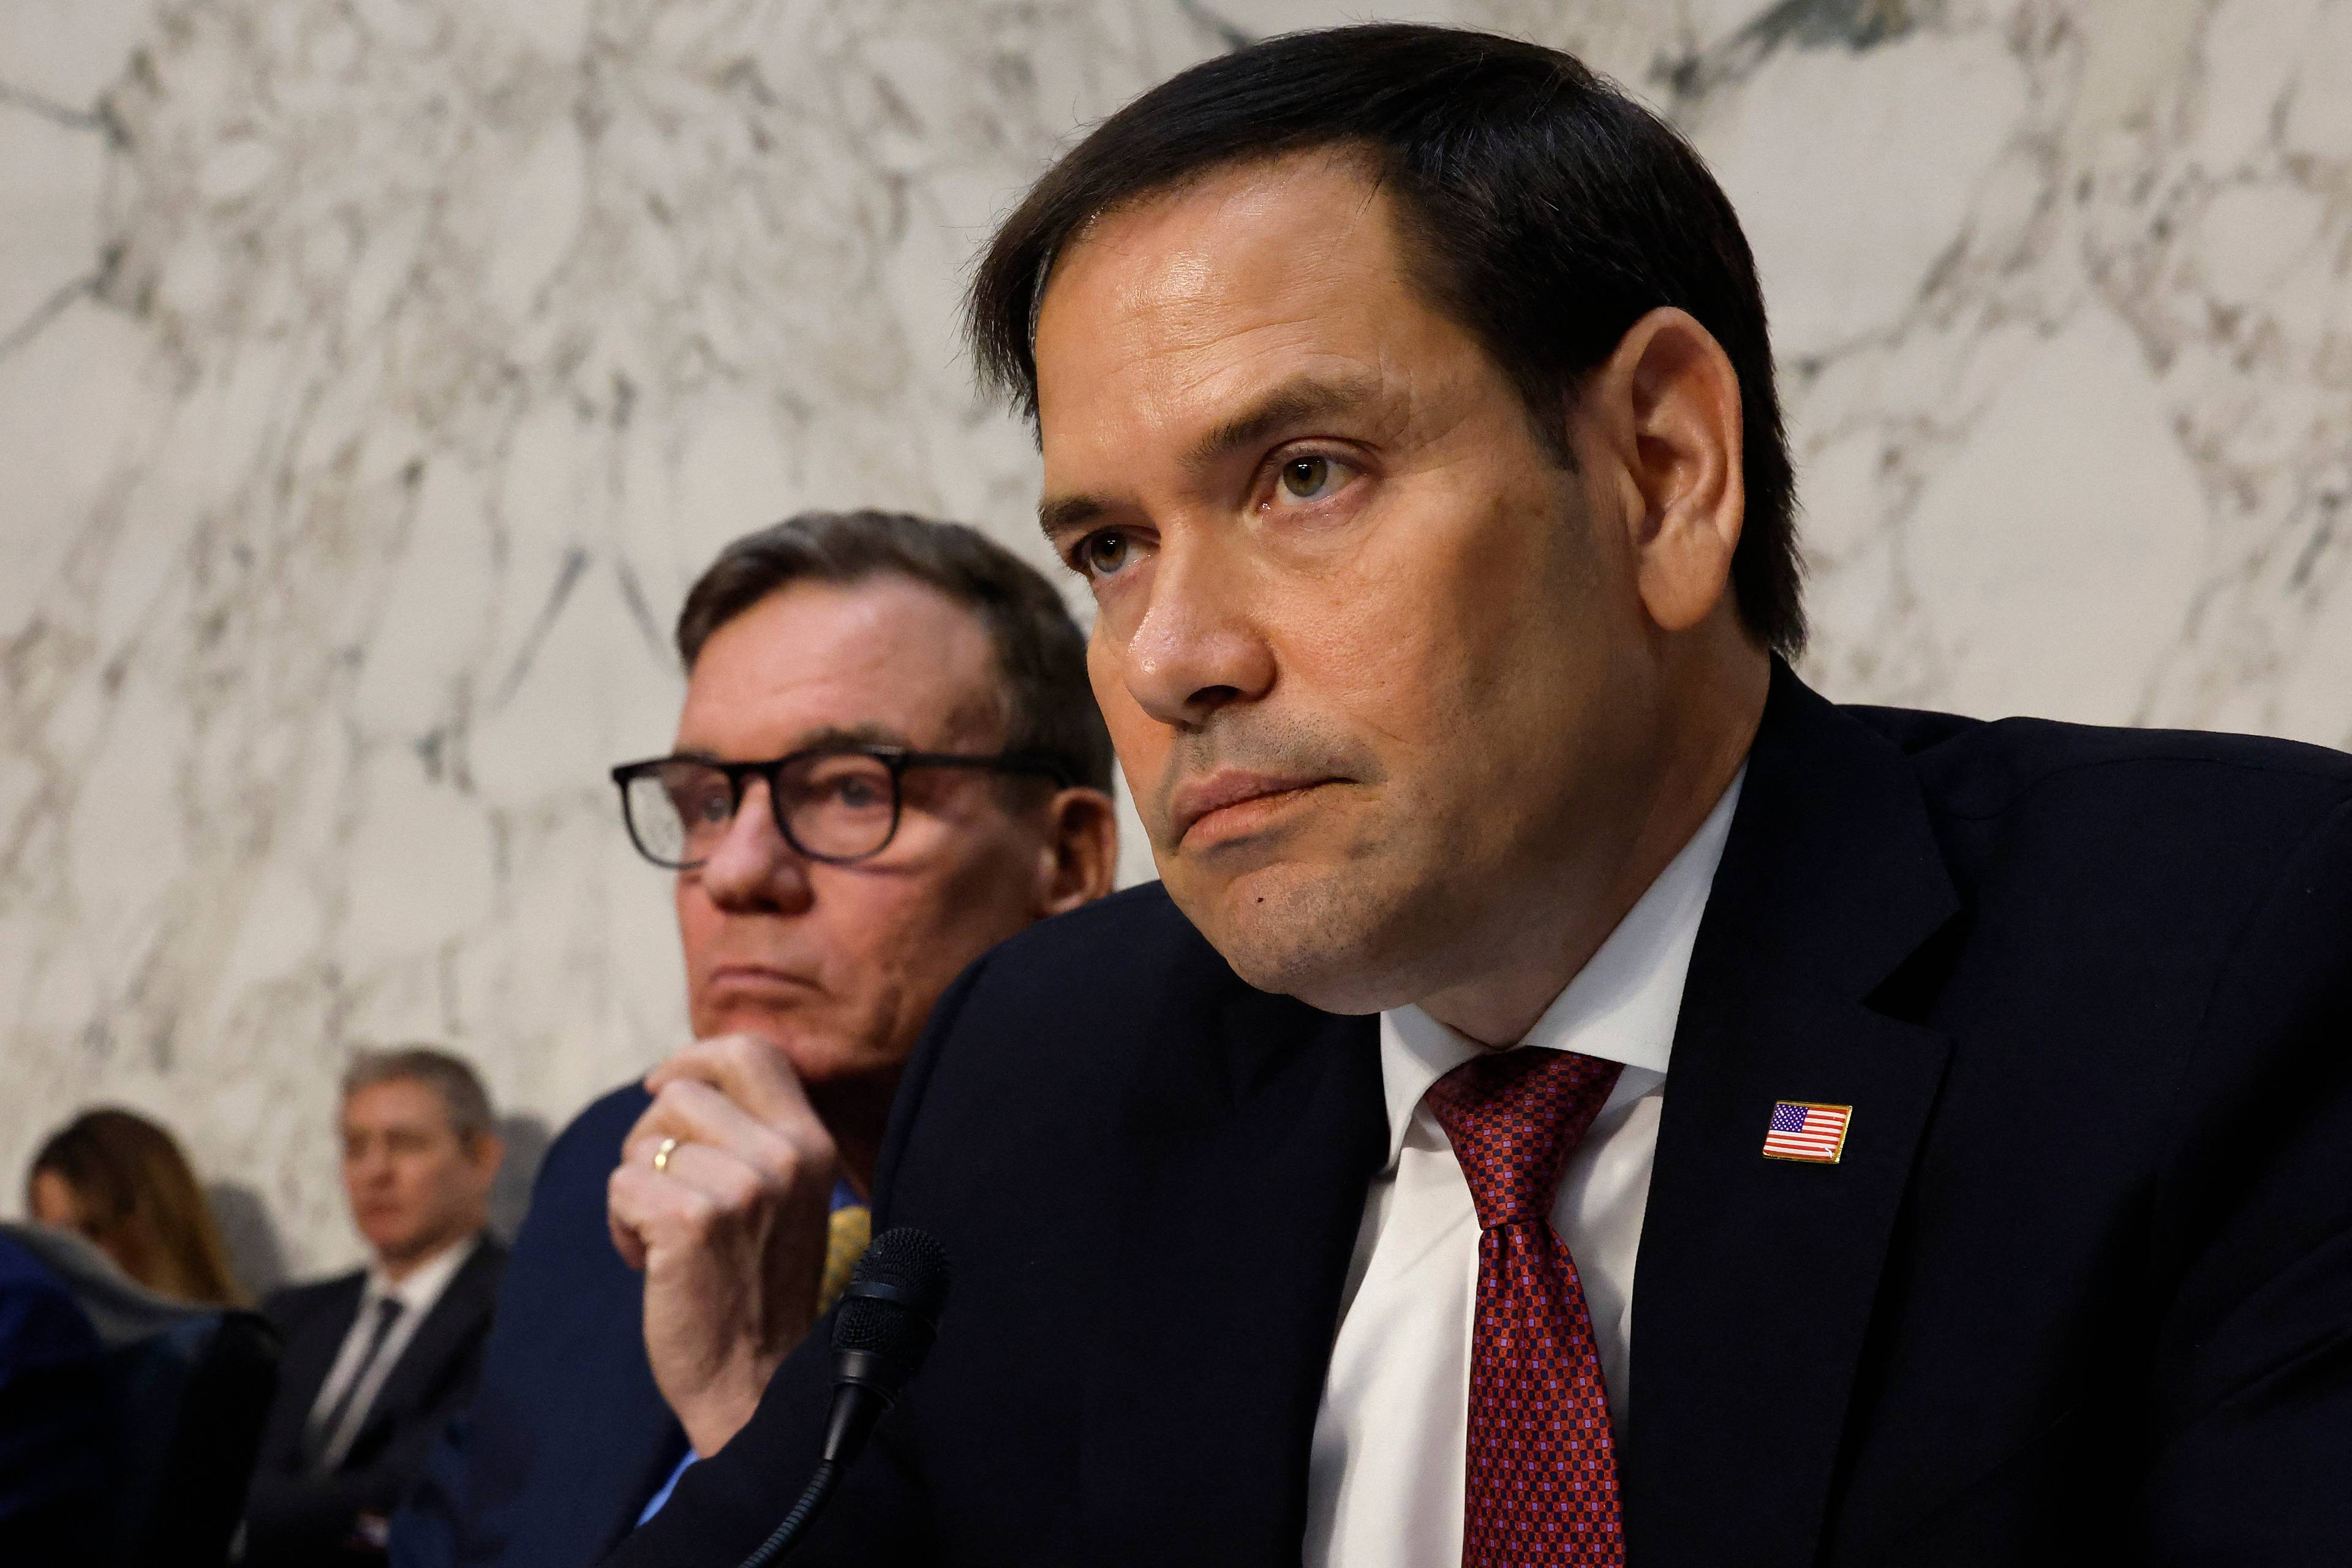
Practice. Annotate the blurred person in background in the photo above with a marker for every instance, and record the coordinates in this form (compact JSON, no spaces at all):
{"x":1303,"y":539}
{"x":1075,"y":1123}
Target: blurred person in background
{"x":121,"y":1183}
{"x":378,"y":1360}
{"x":53,"y":1433}
{"x":889,"y":761}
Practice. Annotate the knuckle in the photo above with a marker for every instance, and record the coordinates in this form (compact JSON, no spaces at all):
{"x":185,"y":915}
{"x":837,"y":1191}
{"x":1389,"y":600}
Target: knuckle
{"x":782,"y":1160}
{"x":744,"y":1190}
{"x":679,"y":1105}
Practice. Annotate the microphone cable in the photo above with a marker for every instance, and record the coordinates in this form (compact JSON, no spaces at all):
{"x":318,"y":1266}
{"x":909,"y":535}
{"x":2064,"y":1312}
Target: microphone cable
{"x":890,"y":1315}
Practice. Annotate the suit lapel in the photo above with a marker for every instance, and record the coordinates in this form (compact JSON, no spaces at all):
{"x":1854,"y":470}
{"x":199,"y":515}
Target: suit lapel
{"x":1756,"y":1279}
{"x":627,"y":1442}
{"x":461,"y":1310}
{"x":1235,"y":1234}
{"x":310,"y":1360}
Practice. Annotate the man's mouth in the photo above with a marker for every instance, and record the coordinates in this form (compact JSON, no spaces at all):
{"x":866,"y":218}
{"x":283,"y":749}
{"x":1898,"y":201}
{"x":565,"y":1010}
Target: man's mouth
{"x":757,"y":977}
{"x":1233,"y":803}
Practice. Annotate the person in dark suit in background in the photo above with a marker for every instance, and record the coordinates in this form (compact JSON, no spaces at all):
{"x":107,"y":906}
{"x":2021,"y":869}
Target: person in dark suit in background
{"x":377,"y":1361}
{"x":54,"y":1443}
{"x":888,"y":760}
{"x":1578,"y":1097}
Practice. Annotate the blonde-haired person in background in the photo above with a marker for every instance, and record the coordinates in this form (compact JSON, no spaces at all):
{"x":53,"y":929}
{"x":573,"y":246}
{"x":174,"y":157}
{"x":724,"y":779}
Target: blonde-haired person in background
{"x":120,"y":1181}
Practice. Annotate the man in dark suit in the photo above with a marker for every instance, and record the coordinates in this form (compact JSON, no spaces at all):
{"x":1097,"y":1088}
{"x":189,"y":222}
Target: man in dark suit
{"x":377,"y":1361}
{"x":888,"y":760}
{"x":1789,"y":1134}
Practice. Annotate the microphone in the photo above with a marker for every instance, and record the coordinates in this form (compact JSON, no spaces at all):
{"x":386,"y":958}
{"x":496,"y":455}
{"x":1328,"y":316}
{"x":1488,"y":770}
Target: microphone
{"x":888,"y":1316}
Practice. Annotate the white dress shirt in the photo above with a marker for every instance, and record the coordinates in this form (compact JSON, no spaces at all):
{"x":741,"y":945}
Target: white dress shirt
{"x":416,"y":1294}
{"x":1385,"y":1481}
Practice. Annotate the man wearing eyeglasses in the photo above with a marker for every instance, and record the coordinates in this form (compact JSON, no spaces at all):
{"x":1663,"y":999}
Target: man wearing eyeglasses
{"x":888,"y":760}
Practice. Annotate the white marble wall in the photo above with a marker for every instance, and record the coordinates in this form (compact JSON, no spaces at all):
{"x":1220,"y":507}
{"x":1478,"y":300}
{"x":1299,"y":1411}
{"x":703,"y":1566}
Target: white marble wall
{"x":375,"y":374}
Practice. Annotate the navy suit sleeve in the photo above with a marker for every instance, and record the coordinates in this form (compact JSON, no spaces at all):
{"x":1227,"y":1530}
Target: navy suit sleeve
{"x":53,"y":1439}
{"x":2252,"y":1395}
{"x":566,"y":1435}
{"x":424,"y":1530}
{"x":727,"y":1505}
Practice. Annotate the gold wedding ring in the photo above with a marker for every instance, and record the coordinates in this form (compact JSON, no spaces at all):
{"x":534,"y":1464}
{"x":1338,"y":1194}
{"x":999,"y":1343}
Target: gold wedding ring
{"x":662,"y":1154}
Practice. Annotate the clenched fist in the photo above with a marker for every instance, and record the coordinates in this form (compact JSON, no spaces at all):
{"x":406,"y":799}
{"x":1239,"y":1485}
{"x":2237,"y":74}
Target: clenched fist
{"x":731,"y":1232}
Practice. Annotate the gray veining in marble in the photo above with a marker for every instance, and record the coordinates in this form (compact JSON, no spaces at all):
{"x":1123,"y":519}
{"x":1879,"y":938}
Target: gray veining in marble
{"x":375,"y":374}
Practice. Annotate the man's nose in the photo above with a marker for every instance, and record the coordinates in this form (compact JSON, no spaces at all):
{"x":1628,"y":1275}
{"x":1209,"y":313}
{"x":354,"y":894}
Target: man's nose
{"x":1196,"y":648}
{"x":754,"y":867}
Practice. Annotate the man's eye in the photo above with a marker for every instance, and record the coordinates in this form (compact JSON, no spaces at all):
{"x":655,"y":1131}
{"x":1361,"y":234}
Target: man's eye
{"x":1100,"y":554}
{"x":1310,"y":479}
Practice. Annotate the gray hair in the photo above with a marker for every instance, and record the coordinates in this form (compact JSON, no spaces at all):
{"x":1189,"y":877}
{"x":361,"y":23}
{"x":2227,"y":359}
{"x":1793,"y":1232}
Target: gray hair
{"x":1041,"y":654}
{"x":461,"y":1087}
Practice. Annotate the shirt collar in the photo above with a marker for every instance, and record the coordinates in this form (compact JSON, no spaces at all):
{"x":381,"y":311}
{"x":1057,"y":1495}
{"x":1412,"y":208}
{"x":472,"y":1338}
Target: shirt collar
{"x":1621,"y":1006}
{"x":423,"y":1287}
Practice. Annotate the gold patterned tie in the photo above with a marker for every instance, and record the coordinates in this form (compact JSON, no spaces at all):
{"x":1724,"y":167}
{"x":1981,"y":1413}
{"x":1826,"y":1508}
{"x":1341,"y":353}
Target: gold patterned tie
{"x":852,"y":1227}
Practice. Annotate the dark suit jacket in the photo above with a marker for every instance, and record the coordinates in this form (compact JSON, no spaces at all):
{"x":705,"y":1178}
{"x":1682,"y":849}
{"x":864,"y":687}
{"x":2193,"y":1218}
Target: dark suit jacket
{"x":293,"y":1517}
{"x":2079,"y":1290}
{"x":568,"y":1437}
{"x":55,"y":1445}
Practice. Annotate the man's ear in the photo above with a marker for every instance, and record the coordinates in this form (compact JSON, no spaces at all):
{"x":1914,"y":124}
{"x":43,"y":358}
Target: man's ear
{"x":1080,"y":856}
{"x":1665,"y":406}
{"x":488,"y":1153}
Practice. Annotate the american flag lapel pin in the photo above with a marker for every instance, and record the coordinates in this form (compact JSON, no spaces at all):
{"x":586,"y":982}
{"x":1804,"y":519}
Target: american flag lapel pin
{"x":1802,"y":1131}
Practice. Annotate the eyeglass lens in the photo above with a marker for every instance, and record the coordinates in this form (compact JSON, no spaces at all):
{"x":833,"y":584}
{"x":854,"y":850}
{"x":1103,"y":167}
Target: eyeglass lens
{"x":835,"y":806}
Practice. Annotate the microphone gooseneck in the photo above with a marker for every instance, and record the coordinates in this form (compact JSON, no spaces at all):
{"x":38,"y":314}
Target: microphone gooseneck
{"x":888,"y":1317}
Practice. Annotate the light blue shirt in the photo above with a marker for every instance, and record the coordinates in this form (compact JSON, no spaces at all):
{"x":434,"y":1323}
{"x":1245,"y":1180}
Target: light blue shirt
{"x":668,"y":1486}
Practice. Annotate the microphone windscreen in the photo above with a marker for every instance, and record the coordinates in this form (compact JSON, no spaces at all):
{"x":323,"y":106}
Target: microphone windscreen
{"x":905,"y":1272}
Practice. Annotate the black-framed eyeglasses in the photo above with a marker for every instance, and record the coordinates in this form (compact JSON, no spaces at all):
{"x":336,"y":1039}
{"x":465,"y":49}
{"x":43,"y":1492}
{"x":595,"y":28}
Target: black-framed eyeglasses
{"x":834,"y":804}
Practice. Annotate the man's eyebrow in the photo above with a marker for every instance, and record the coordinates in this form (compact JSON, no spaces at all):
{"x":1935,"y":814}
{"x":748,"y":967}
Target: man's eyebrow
{"x":862,"y":734}
{"x":1295,"y":401}
{"x":822,"y":738}
{"x":1064,"y":513}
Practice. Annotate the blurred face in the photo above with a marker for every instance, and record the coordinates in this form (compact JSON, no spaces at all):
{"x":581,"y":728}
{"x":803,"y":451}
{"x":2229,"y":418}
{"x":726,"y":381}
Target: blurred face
{"x":837,"y":965}
{"x":1376,"y":677}
{"x":413,"y":1186}
{"x":55,"y":1202}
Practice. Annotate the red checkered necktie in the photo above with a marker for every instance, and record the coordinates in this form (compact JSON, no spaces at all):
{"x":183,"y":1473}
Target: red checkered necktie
{"x":1542,"y":1471}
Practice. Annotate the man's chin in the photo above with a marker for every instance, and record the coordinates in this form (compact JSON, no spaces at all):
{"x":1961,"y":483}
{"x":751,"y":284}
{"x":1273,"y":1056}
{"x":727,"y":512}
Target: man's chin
{"x":820,"y":1053}
{"x":779,"y":1021}
{"x":404,"y":1247}
{"x":1296,"y":931}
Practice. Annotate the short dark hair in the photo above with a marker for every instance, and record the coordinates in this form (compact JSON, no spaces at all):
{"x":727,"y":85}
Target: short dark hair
{"x":459,"y":1086}
{"x":1041,"y":654}
{"x":1543,"y":210}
